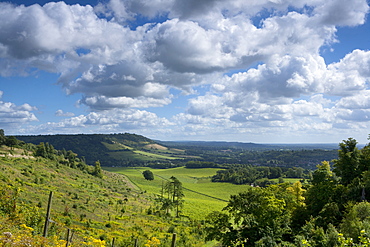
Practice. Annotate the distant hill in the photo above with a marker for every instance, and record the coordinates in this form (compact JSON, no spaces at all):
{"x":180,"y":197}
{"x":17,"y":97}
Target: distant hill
{"x":217,"y":145}
{"x":285,"y":155}
{"x":110,"y":149}
{"x":136,"y":150}
{"x":250,"y":146}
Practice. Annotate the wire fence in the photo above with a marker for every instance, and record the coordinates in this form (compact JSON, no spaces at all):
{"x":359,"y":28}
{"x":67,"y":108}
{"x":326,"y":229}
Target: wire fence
{"x":71,"y":234}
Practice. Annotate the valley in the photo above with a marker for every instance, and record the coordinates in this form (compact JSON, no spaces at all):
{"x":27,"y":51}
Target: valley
{"x":271,"y":200}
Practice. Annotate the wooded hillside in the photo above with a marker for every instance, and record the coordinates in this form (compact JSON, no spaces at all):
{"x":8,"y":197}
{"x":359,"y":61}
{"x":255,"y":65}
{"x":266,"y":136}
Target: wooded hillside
{"x":136,"y":150}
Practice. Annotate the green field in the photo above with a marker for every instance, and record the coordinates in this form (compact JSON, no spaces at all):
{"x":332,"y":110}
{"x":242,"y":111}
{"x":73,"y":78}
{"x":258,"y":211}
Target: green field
{"x":287,"y":180}
{"x":200,"y":201}
{"x":157,"y":156}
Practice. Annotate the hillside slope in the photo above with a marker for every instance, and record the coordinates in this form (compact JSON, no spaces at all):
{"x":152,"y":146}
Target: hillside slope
{"x":94,"y":208}
{"x":110,"y":149}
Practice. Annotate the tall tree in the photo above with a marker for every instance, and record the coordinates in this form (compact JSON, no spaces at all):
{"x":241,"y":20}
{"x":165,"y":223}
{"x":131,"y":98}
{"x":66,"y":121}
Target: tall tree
{"x":174,"y":191}
{"x":347,"y":166}
{"x":2,"y":137}
{"x":321,"y":190}
{"x":297,"y":190}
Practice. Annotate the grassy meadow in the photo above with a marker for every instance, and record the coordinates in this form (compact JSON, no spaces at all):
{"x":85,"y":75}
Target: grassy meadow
{"x":201,"y":195}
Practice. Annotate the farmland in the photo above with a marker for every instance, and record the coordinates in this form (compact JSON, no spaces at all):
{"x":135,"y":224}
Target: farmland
{"x":201,"y":195}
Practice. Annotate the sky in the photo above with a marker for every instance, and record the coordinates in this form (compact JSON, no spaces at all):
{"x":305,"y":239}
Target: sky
{"x":266,"y":71}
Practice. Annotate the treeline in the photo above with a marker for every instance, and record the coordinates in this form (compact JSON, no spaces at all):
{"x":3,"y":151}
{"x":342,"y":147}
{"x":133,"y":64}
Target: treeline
{"x":247,"y":174}
{"x":67,"y":158}
{"x":330,"y":210}
{"x":306,"y":158}
{"x":250,"y":174}
{"x":202,"y":164}
{"x":47,"y":151}
{"x":88,"y":147}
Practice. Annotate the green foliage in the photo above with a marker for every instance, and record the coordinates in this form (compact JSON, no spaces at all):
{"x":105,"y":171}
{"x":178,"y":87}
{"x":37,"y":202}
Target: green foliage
{"x":148,"y":175}
{"x":356,"y":219}
{"x":325,"y":198}
{"x":2,"y":137}
{"x":97,"y":171}
{"x":45,"y":150}
{"x":201,"y":164}
{"x":347,"y":166}
{"x":256,"y":154}
{"x":11,"y":141}
{"x":363,"y":240}
{"x":9,"y":196}
{"x":247,"y":174}
{"x":174,"y":192}
{"x":254,"y":217}
{"x":309,"y":214}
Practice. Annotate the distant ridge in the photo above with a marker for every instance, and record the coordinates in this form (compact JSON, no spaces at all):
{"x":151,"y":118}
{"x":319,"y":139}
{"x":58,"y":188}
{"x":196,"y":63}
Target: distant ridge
{"x":252,"y":146}
{"x":126,"y":149}
{"x":110,"y":149}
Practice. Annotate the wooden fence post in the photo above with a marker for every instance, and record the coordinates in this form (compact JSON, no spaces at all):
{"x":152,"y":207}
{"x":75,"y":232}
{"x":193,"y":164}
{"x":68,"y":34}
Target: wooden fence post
{"x":68,"y":233}
{"x":173,"y":244}
{"x":113,"y":242}
{"x":136,"y":243}
{"x":47,"y":218}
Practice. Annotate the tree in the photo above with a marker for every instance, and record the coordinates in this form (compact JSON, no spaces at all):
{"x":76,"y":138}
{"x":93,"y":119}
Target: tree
{"x":218,"y":228}
{"x":365,"y":158}
{"x":11,"y":141}
{"x":356,"y":219}
{"x":322,"y":174}
{"x":2,"y":137}
{"x":297,"y":190}
{"x":254,"y":218}
{"x":97,"y":172}
{"x":173,"y":189}
{"x":347,"y":166}
{"x":40,"y":150}
{"x":45,"y":150}
{"x":148,"y":175}
{"x":325,"y":198}
{"x":322,"y":189}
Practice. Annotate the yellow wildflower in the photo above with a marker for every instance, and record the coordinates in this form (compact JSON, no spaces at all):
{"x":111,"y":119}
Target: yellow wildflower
{"x":27,"y":227}
{"x":153,"y":242}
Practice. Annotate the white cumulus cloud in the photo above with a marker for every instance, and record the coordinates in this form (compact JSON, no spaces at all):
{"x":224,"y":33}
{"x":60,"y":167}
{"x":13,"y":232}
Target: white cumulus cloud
{"x":259,"y":63}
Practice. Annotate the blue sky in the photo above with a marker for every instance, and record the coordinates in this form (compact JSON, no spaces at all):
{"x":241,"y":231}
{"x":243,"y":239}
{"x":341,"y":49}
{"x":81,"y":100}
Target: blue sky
{"x":291,"y":71}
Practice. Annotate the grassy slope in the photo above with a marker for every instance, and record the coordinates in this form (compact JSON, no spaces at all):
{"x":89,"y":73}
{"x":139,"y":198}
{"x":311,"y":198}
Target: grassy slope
{"x":196,"y":205}
{"x":152,"y":152}
{"x":89,"y":205}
